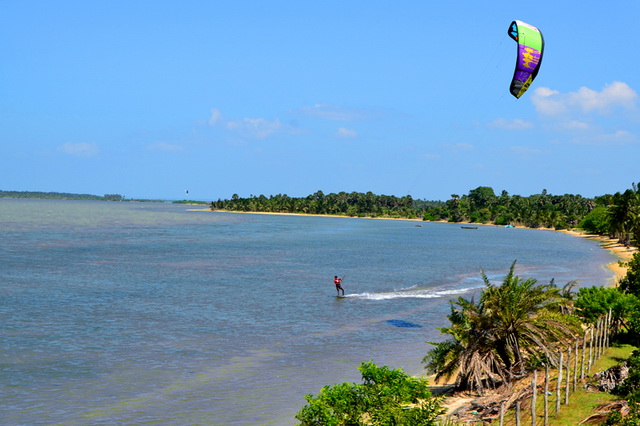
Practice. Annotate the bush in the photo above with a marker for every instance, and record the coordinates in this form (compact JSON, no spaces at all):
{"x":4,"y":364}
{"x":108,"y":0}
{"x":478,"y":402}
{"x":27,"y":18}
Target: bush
{"x":597,"y":221}
{"x":594,"y":302}
{"x":385,"y":397}
{"x":630,"y":390}
{"x":631,"y":282}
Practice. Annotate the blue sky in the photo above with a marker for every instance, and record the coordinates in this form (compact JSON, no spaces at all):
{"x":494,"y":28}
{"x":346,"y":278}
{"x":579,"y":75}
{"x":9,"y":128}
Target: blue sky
{"x":147,"y":99}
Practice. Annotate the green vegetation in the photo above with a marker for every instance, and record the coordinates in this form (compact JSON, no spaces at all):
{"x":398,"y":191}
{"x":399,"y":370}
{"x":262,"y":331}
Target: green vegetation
{"x":353,"y":204}
{"x":616,"y":215}
{"x":90,"y":197}
{"x":514,"y":328}
{"x":59,"y":196}
{"x":623,"y":301}
{"x":386,"y":397}
{"x":584,"y":402}
{"x":191,"y":202}
{"x":503,"y":336}
{"x":630,"y":391}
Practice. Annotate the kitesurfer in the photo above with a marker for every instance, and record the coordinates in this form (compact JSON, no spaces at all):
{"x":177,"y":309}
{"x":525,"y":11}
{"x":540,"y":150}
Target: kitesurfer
{"x":338,"y":282}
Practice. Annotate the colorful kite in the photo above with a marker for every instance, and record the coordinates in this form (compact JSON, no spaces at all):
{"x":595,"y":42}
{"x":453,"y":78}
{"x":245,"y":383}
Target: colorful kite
{"x":530,"y":49}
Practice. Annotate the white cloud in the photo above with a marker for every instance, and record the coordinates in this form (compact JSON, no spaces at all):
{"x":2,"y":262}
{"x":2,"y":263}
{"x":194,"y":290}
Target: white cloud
{"x":576,"y":125}
{"x":515,"y":124}
{"x":617,"y":94}
{"x":250,"y":128}
{"x":590,"y":117}
{"x":81,"y":149}
{"x":525,"y":151}
{"x":343,"y":132}
{"x":619,"y":137}
{"x":163,"y":146}
{"x":215,"y":117}
{"x":585,"y":100}
{"x":337,"y":113}
{"x":256,"y":128}
{"x":548,"y":101}
{"x":462,"y":147}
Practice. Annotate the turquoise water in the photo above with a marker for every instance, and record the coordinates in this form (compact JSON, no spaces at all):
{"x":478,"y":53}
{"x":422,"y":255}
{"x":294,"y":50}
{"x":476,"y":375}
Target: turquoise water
{"x":138,"y":312}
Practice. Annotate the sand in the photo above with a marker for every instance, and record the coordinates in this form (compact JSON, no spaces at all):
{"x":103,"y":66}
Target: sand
{"x":623,"y":253}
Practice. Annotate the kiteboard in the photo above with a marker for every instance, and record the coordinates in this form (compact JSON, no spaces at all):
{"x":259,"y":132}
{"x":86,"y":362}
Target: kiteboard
{"x":340,"y":297}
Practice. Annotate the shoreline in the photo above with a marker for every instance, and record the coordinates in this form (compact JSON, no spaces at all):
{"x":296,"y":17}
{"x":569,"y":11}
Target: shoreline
{"x":624,"y":254}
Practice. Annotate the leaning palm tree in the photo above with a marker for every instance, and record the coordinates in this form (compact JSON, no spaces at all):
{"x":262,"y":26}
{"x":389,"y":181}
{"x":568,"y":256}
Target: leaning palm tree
{"x":469,"y":354}
{"x":493,"y":341}
{"x":527,"y":320}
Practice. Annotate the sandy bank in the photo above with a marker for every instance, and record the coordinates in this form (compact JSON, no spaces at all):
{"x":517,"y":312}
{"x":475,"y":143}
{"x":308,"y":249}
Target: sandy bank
{"x":623,"y":253}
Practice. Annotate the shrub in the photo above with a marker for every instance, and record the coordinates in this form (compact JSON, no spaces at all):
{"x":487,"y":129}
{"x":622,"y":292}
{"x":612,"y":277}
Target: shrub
{"x":385,"y":397}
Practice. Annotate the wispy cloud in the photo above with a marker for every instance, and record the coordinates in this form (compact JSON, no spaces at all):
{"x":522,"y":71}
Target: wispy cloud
{"x":460,"y":147}
{"x":576,"y":125}
{"x":620,"y":137}
{"x":215,"y":117}
{"x":338,"y":113}
{"x":525,"y":152}
{"x":255,"y":128}
{"x":343,"y":132}
{"x":81,"y":149}
{"x":514,"y":124}
{"x":164,"y":146}
{"x":249,"y":127}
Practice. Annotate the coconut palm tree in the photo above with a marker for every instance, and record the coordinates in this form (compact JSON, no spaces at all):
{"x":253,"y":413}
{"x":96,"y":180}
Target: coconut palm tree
{"x":469,"y":353}
{"x":495,"y":340}
{"x":527,"y":320}
{"x":624,"y":214}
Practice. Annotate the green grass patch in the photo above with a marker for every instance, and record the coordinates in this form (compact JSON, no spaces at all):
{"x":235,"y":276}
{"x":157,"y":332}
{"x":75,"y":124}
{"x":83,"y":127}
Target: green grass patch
{"x":582,"y":403}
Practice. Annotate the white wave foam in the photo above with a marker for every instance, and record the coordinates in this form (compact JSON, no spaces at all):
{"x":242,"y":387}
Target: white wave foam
{"x":411,"y":293}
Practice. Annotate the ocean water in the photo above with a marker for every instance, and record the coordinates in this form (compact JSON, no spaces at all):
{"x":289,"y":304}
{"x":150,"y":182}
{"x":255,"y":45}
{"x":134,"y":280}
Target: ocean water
{"x":148,"y":312}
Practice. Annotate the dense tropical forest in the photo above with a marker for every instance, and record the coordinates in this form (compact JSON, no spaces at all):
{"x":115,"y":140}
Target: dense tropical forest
{"x":617,"y":214}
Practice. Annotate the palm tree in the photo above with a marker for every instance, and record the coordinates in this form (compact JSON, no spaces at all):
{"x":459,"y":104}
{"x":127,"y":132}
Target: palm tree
{"x":469,"y":353}
{"x":494,"y":341}
{"x":624,"y":214}
{"x":527,"y":320}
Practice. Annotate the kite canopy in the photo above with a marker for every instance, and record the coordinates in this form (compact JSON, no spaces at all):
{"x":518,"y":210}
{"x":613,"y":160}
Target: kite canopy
{"x":530,"y":49}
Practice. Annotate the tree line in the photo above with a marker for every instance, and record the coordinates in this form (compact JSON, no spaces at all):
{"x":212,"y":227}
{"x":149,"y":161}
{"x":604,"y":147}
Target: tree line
{"x":59,"y":196}
{"x":353,"y":204}
{"x":615,"y":215}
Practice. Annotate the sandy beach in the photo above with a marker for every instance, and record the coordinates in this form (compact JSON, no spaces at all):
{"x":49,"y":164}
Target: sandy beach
{"x":623,"y":253}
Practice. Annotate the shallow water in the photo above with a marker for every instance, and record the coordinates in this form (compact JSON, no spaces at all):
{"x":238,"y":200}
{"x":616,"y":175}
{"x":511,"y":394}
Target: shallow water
{"x":136,"y":312}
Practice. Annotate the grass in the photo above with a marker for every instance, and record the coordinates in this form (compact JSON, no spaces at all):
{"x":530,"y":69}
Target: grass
{"x":582,"y":403}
